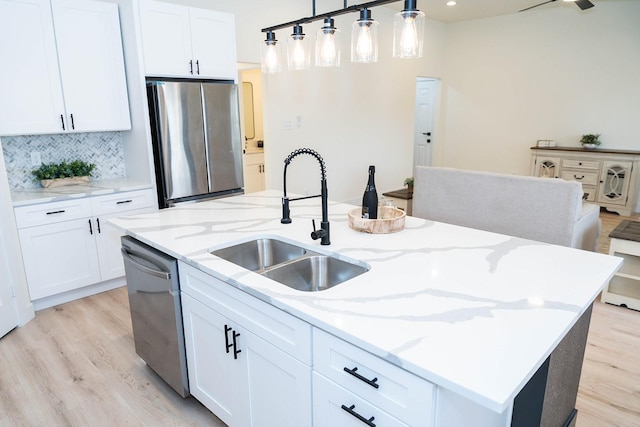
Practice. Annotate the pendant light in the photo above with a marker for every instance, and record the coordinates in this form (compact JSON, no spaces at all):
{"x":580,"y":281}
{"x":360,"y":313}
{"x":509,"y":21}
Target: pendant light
{"x":270,"y":53}
{"x":408,"y":31}
{"x":364,"y":39}
{"x":298,"y":57}
{"x":328,"y":45}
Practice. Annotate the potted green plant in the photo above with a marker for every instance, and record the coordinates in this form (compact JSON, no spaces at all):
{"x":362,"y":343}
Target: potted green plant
{"x":590,"y":140}
{"x":408,"y":182}
{"x":63,"y":173}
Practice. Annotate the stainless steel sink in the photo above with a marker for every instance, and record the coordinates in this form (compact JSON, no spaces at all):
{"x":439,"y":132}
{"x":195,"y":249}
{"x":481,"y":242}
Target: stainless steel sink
{"x":260,"y":254}
{"x":314,"y":273}
{"x":291,"y":265}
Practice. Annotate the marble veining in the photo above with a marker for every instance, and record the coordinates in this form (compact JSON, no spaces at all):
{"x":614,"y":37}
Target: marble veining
{"x":472,"y":311}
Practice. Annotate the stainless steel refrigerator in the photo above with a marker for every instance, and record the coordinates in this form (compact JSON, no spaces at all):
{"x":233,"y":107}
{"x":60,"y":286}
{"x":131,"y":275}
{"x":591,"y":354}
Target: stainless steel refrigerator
{"x":195,"y":126}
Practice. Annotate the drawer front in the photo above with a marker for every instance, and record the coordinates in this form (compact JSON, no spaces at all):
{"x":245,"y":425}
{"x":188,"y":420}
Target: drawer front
{"x":288,"y":333}
{"x":586,"y":178}
{"x":122,"y":202}
{"x":580,"y":164}
{"x":51,"y":213}
{"x":398,"y":392}
{"x":336,"y":407}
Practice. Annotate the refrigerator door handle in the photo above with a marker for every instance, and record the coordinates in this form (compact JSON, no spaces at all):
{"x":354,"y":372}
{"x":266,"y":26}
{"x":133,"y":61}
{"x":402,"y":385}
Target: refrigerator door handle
{"x":131,"y":255}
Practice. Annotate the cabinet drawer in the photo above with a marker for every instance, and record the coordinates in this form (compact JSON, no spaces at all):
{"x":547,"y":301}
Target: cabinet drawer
{"x":580,"y":164}
{"x":336,"y":407}
{"x":586,"y":178}
{"x":288,"y":333}
{"x":122,"y":202}
{"x":50,"y":213}
{"x":392,"y":389}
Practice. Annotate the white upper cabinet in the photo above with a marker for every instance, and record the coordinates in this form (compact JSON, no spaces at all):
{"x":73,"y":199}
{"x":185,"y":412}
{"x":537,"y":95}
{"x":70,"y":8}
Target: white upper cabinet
{"x":187,"y":42}
{"x":67,"y":67}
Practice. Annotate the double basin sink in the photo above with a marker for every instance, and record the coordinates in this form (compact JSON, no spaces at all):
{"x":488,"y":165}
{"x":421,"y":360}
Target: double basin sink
{"x":291,"y":265}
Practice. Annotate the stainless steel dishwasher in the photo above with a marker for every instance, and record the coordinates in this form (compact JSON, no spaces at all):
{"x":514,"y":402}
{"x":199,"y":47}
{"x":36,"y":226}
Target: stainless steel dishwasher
{"x":156,"y":312}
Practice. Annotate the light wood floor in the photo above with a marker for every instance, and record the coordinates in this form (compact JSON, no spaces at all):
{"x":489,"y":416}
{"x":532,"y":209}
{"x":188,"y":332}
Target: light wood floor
{"x":75,"y":365}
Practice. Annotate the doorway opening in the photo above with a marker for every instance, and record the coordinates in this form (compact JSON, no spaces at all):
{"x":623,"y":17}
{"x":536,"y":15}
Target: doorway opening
{"x":250,"y":84}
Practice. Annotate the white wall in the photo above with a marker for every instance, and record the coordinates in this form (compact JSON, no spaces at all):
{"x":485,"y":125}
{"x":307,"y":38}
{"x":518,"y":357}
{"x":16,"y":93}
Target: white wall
{"x":549,"y":73}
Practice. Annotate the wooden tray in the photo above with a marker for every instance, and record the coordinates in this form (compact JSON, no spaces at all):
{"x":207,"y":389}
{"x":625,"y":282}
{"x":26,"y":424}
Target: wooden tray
{"x":390,"y":220}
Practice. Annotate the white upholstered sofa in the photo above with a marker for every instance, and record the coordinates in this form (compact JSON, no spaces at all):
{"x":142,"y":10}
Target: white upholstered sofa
{"x":542,"y":209}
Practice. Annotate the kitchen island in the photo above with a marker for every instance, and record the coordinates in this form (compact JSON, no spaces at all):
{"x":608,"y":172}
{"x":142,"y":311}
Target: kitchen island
{"x":473,"y":313}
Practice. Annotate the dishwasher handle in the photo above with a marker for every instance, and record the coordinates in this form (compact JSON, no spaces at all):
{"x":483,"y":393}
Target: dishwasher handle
{"x":129,"y":255}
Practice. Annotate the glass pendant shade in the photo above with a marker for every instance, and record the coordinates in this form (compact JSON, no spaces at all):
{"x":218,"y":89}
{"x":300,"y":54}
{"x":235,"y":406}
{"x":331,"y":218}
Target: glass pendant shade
{"x":270,"y":54}
{"x":328,"y":45}
{"x":298,"y":57}
{"x":364,"y":39}
{"x":408,"y":33}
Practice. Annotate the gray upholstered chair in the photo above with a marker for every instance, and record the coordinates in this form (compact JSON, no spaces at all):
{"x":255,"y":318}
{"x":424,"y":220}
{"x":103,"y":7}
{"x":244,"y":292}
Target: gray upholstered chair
{"x":542,"y":209}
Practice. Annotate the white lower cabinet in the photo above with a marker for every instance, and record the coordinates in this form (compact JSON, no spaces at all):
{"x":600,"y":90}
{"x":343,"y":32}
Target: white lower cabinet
{"x":69,"y":245}
{"x":346,"y":376}
{"x":235,"y":367}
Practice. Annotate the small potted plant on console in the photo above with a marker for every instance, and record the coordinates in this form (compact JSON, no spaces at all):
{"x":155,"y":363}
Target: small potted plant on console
{"x":590,"y":140}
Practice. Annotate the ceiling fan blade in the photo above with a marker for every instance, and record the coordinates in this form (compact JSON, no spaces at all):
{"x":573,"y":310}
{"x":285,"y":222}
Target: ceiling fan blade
{"x":540,"y":4}
{"x":584,"y":4}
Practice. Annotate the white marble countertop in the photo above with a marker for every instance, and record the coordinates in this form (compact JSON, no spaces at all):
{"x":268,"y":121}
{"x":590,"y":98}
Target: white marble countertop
{"x":471,"y":311}
{"x":32,"y":196}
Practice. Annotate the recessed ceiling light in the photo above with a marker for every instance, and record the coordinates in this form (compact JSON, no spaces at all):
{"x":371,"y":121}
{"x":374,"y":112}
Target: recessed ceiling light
{"x":451,"y":3}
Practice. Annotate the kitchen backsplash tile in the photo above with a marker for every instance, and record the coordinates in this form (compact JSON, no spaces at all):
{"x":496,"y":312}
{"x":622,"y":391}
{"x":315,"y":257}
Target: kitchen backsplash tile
{"x":102,"y":148}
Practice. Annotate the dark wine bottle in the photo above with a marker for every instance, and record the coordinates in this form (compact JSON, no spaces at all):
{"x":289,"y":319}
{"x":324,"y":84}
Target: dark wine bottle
{"x":370,"y":197}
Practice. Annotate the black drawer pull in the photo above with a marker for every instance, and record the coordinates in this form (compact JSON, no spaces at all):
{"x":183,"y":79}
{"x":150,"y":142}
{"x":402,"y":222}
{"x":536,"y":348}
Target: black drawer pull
{"x":62,"y":121}
{"x":73,"y":125}
{"x":578,"y":178}
{"x":122,"y":202}
{"x":353,"y":372}
{"x":350,"y":410}
{"x":90,"y":228}
{"x":98,"y":222}
{"x":55,"y":212}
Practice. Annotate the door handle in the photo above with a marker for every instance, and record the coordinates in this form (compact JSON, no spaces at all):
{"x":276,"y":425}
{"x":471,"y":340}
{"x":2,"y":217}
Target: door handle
{"x":226,"y":338}
{"x":235,"y":346}
{"x":90,"y":228}
{"x":426,"y":133}
{"x":129,"y":255}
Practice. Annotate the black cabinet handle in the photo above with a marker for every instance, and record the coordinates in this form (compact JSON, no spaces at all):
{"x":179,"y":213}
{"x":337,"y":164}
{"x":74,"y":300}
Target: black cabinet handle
{"x":191,"y":66}
{"x":353,"y":372}
{"x":73,"y":126}
{"x":350,"y":410}
{"x":198,"y":67}
{"x":121,"y":202}
{"x":235,"y":346}
{"x":62,"y":121}
{"x":90,"y":228}
{"x":226,"y":337}
{"x":98,"y":222}
{"x":55,"y":212}
{"x":579,"y":178}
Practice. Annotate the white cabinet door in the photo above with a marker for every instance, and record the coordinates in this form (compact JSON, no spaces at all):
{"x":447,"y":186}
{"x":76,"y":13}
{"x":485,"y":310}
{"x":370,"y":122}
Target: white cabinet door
{"x":615,"y":177}
{"x":59,"y":257}
{"x":179,"y":41}
{"x":166,"y":39}
{"x":253,"y":171}
{"x":215,"y":378}
{"x":213,"y":44}
{"x":31,"y":100}
{"x":279,"y":386}
{"x":91,"y":65}
{"x":547,"y":167}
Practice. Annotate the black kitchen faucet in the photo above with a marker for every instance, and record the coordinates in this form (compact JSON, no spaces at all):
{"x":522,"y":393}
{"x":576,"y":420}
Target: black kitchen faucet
{"x":323,"y":232}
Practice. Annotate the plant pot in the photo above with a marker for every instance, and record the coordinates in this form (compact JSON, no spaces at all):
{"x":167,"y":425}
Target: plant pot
{"x":59,"y":182}
{"x":590,"y":146}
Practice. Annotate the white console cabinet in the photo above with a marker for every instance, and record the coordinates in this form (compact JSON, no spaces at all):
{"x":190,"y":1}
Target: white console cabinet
{"x":187,"y":42}
{"x":609,"y":178}
{"x":254,"y":179}
{"x":68,"y":245}
{"x":62,"y":67}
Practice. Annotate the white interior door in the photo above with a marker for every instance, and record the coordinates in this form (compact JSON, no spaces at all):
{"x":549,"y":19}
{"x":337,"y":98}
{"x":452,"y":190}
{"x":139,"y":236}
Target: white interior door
{"x":425,"y":108}
{"x":8,"y":314}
